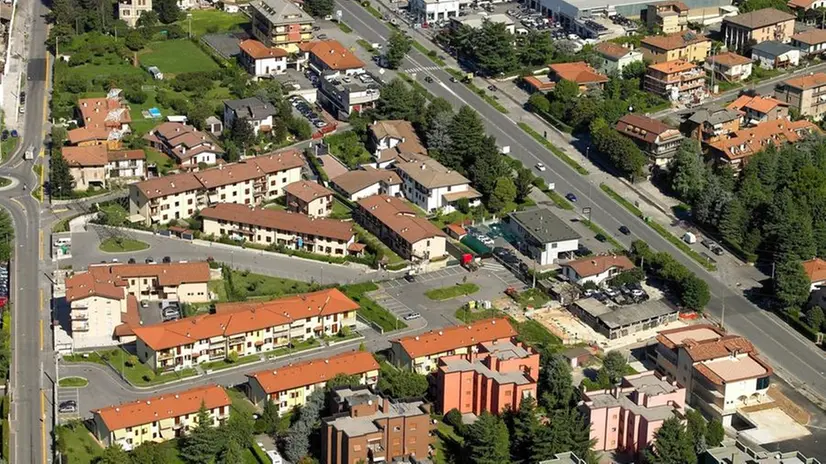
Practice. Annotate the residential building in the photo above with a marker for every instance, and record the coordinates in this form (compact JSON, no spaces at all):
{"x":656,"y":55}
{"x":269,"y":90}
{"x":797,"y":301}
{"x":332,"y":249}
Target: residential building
{"x":343,"y":93}
{"x":654,"y":138}
{"x":806,"y":94}
{"x":615,"y":322}
{"x":740,"y":452}
{"x":104,"y":121}
{"x":596,"y":269}
{"x":759,"y":109}
{"x":475,"y":21}
{"x":616,"y":57}
{"x":186,"y":145}
{"x":803,"y":5}
{"x":390,"y":139}
{"x":816,"y":271}
{"x":721,"y":372}
{"x":774,"y":54}
{"x":570,"y":13}
{"x":245,"y":328}
{"x":250,"y":182}
{"x":580,"y":72}
{"x":686,"y":45}
{"x":309,"y":198}
{"x":810,"y":42}
{"x":431,"y":11}
{"x":564,"y":458}
{"x":421,"y":353}
{"x":289,"y":386}
{"x":496,"y":378}
{"x":261,"y":60}
{"x":131,"y":10}
{"x":103,"y":301}
{"x":325,"y":56}
{"x":669,"y":16}
{"x":541,"y":235}
{"x":736,"y":148}
{"x":362,"y":183}
{"x":126,"y":164}
{"x":254,"y":110}
{"x":745,"y":30}
{"x":281,"y":23}
{"x":159,"y":418}
{"x":95,"y":165}
{"x":626,"y":417}
{"x":367,"y":427}
{"x":431,"y":186}
{"x":676,"y":81}
{"x":396,"y":223}
{"x":270,"y":227}
{"x":729,"y":67}
{"x":709,"y":125}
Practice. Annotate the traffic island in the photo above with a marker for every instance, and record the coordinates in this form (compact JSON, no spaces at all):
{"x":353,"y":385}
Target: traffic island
{"x":122,"y":245}
{"x":73,"y":382}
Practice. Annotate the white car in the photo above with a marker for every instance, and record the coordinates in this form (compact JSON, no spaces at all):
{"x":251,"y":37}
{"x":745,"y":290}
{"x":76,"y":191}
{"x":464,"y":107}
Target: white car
{"x":540,"y":167}
{"x":412,"y":316}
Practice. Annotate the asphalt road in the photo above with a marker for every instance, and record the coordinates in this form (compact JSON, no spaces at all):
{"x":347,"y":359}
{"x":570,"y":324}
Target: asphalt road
{"x":791,"y":355}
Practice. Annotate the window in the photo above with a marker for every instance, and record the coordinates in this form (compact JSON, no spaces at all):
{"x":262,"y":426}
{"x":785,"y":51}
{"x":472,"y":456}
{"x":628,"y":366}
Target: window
{"x":762,"y":383}
{"x":397,"y":428}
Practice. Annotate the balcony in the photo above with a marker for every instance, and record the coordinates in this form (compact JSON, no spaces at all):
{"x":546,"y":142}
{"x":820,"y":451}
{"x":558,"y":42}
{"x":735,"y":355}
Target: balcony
{"x":79,"y":315}
{"x":167,"y":355}
{"x":80,"y":326}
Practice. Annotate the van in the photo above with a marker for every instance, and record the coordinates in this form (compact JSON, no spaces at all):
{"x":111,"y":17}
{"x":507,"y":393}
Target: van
{"x":63,"y":241}
{"x":690,"y":238}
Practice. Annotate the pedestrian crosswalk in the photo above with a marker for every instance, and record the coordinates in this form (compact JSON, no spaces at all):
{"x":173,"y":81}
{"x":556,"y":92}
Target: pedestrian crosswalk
{"x":422,"y":69}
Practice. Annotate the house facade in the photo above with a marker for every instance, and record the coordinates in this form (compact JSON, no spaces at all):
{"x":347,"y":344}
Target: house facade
{"x":738,"y":147}
{"x":260,"y":60}
{"x":669,"y":16}
{"x":344,"y":93}
{"x":366,"y":182}
{"x":186,"y":145}
{"x":131,"y":10}
{"x":810,"y":42}
{"x":309,"y":198}
{"x":676,"y":81}
{"x":805,"y":94}
{"x":729,"y":67}
{"x":390,"y":139}
{"x":657,"y":140}
{"x":597,"y":269}
{"x":281,"y":24}
{"x":431,"y":186}
{"x":773,"y":54}
{"x":759,"y":109}
{"x":744,"y":30}
{"x":685,"y":45}
{"x":254,"y":110}
{"x":709,"y":125}
{"x":615,"y":57}
{"x":396,"y":224}
{"x":541,"y":235}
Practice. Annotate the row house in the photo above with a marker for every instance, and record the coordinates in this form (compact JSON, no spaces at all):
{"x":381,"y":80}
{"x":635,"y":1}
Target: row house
{"x":93,"y":166}
{"x":676,"y":80}
{"x":743,"y":31}
{"x":396,"y":223}
{"x":657,"y":140}
{"x":685,"y":45}
{"x":104,"y":121}
{"x":431,"y":186}
{"x":421,"y":353}
{"x":245,"y":328}
{"x":281,"y":24}
{"x":269,"y":227}
{"x":288,"y":387}
{"x":249,"y":182}
{"x":759,"y":109}
{"x":806,"y":94}
{"x":309,"y":198}
{"x":185,"y":144}
{"x":159,"y":418}
{"x":736,"y":148}
{"x":365,"y":182}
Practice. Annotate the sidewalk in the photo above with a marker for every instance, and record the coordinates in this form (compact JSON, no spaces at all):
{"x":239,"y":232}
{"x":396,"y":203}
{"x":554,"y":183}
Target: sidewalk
{"x":13,"y":79}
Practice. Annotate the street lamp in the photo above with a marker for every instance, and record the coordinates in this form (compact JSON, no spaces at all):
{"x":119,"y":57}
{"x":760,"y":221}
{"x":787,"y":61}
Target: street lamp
{"x":189,"y":19}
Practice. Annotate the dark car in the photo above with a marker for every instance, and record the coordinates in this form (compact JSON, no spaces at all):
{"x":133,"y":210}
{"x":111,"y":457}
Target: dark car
{"x":410,"y":277}
{"x":428,"y":79}
{"x":571,"y":197}
{"x":717,"y":250}
{"x":625,"y":230}
{"x":601,"y":238}
{"x":167,"y":259}
{"x":149,"y":260}
{"x":131,"y":261}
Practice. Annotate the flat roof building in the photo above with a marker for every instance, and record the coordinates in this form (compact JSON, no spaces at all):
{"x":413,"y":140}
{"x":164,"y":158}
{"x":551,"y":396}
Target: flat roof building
{"x":541,"y":235}
{"x":619,"y":321}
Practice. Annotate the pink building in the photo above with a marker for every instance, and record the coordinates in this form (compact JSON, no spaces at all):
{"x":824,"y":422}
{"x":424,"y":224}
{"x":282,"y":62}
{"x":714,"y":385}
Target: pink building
{"x":626,"y":417}
{"x":494,"y":377}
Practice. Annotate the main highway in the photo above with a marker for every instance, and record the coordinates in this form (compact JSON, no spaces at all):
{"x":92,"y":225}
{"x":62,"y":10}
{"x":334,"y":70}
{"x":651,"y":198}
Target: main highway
{"x":795,"y":358}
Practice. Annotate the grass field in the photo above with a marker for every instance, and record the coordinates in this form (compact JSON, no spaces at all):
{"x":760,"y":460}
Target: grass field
{"x":142,"y":125}
{"x":110,"y":69}
{"x":164,"y":163}
{"x":177,"y":56}
{"x":78,"y":443}
{"x":446,"y":293}
{"x":209,"y":21}
{"x":250,"y":284}
{"x":122,"y":245}
{"x":371,"y":310}
{"x":73,"y":382}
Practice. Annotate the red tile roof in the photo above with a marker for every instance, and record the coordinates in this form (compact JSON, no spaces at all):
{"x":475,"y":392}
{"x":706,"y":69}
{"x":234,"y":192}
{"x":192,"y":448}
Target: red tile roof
{"x":587,"y":267}
{"x":451,"y":338}
{"x":579,"y":72}
{"x":759,"y":103}
{"x":746,"y":142}
{"x":82,"y":157}
{"x":126,"y":155}
{"x":259,"y":51}
{"x":612,"y":50}
{"x":296,"y":223}
{"x":333,"y":54}
{"x":815,"y":269}
{"x":315,"y":371}
{"x":807,"y":82}
{"x":811,"y":37}
{"x":307,"y":191}
{"x":108,"y":279}
{"x":672,"y":67}
{"x":674,"y":41}
{"x":706,"y":350}
{"x":728,"y":59}
{"x":400,"y":217}
{"x":644,"y":128}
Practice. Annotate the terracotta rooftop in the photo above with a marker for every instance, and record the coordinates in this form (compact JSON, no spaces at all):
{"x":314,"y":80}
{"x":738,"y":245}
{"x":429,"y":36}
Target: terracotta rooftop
{"x":758,"y":19}
{"x":166,"y":406}
{"x":645,"y":128}
{"x":88,"y":134}
{"x":126,"y":155}
{"x":130,"y":319}
{"x":807,"y":82}
{"x":815,"y":269}
{"x":295,"y":223}
{"x":307,"y":191}
{"x":88,"y":156}
{"x":459,"y":336}
{"x":673,"y":66}
{"x":109,"y":280}
{"x":813,"y":36}
{"x":612,"y":50}
{"x":759,"y":103}
{"x":236,"y":318}
{"x":579,"y":72}
{"x":746,"y":142}
{"x":728,"y":59}
{"x":672,"y":338}
{"x":333,"y":54}
{"x":804,"y":4}
{"x":315,"y":371}
{"x":394,"y":128}
{"x":709,"y":349}
{"x":432,"y":174}
{"x":674,"y":41}
{"x":592,"y":266}
{"x":680,"y":6}
{"x":259,"y":51}
{"x":400,"y":217}
{"x":104,"y":112}
{"x":355,"y":181}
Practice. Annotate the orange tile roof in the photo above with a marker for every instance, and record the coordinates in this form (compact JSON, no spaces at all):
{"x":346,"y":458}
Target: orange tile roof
{"x":815,"y":269}
{"x":166,"y":406}
{"x":315,"y":371}
{"x":728,"y":59}
{"x":759,"y":103}
{"x":125,"y":155}
{"x":259,"y":51}
{"x":85,"y":284}
{"x":90,"y":156}
{"x":706,"y":350}
{"x":579,"y":72}
{"x":104,"y":112}
{"x":352,"y":182}
{"x":675,"y":40}
{"x":807,"y":82}
{"x":400,"y":217}
{"x":587,"y":267}
{"x":158,"y":187}
{"x":296,"y":223}
{"x":88,"y":134}
{"x":307,"y":191}
{"x":234,"y":318}
{"x":805,"y":4}
{"x":539,"y":83}
{"x":746,"y":142}
{"x":612,"y":50}
{"x":108,"y":279}
{"x":811,"y":37}
{"x":333,"y":54}
{"x":673,"y":66}
{"x":130,"y":319}
{"x":664,"y":336}
{"x":457,"y":229}
{"x":451,"y":338}
{"x":645,"y":128}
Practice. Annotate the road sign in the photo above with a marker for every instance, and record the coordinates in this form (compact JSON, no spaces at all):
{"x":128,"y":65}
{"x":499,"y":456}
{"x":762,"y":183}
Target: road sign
{"x":338,"y":14}
{"x":586,"y":210}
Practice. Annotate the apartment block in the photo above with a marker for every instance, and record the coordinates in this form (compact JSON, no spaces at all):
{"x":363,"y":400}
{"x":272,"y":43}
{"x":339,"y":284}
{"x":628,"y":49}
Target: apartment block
{"x":810,"y":42}
{"x":709,"y":125}
{"x":185,"y":144}
{"x":421,"y":353}
{"x":93,"y":166}
{"x":720,"y":372}
{"x":685,"y":45}
{"x":325,"y":56}
{"x":803,"y":5}
{"x":431,"y":186}
{"x":366,"y":182}
{"x":281,"y":24}
{"x":495,"y":378}
{"x":656,"y":139}
{"x":131,"y":10}
{"x":736,"y":148}
{"x":343,"y":93}
{"x":398,"y":225}
{"x":806,"y":94}
{"x":245,"y":328}
{"x":391,"y":139}
{"x":616,"y":57}
{"x":260,"y":60}
{"x":739,"y":452}
{"x":759,"y":109}
{"x":676,"y":80}
{"x":626,"y":417}
{"x":541,"y":235}
{"x":367,"y":427}
{"x":250,"y":182}
{"x":729,"y":67}
{"x":309,"y":198}
{"x":270,"y":227}
{"x":159,"y":418}
{"x":104,"y":121}
{"x":669,"y":16}
{"x":289,"y":386}
{"x":744,"y":30}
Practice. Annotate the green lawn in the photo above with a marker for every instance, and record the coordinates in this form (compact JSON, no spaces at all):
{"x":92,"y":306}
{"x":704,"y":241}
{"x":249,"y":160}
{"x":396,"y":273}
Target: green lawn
{"x":348,"y":148}
{"x":164,"y":163}
{"x":340,"y":210}
{"x":211,"y":21}
{"x":446,"y":293}
{"x":448,"y":445}
{"x":225,"y":364}
{"x":374,"y":244}
{"x":467,"y":316}
{"x":249,"y":284}
{"x":176,"y":56}
{"x":78,"y":443}
{"x":371,"y":310}
{"x":217,"y":287}
{"x":240,"y":402}
{"x":73,"y":382}
{"x":296,"y":347}
{"x":112,"y":68}
{"x":139,"y":373}
{"x":142,"y":125}
{"x":4,"y":181}
{"x":122,"y":245}
{"x":532,"y":297}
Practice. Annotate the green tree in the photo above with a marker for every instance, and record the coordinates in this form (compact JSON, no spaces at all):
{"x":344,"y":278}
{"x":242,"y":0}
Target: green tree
{"x":565,"y":92}
{"x":696,"y":429}
{"x":791,"y":283}
{"x":715,"y":433}
{"x":242,"y":134}
{"x":503,"y":193}
{"x":535,"y":48}
{"x":635,"y":70}
{"x":524,"y":427}
{"x":735,"y":221}
{"x":402,"y":383}
{"x":268,"y":419}
{"x":815,"y":318}
{"x":319,"y":8}
{"x":523,"y":183}
{"x":168,"y":11}
{"x":614,"y":365}
{"x":342,"y":380}
{"x":694,"y":293}
{"x":232,"y":453}
{"x":467,"y":139}
{"x":238,"y":428}
{"x":203,"y":442}
{"x":492,"y":49}
{"x":555,"y":382}
{"x":150,"y":453}
{"x":397,"y":48}
{"x":398,"y":101}
{"x":754,"y":5}
{"x":60,"y":179}
{"x":148,"y":19}
{"x":59,"y":136}
{"x":672,"y":445}
{"x":112,"y":455}
{"x":297,"y":443}
{"x":539,"y":102}
{"x":687,"y":171}
{"x":134,"y":40}
{"x":486,"y":441}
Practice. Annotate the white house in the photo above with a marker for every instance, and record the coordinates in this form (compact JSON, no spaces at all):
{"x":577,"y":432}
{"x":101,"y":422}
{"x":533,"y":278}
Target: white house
{"x":428,"y":11}
{"x":362,"y":183}
{"x":541,"y":235}
{"x":816,"y":270}
{"x":596,"y":269}
{"x":185,"y":144}
{"x":393,"y":139}
{"x":811,"y":42}
{"x":773,"y":54}
{"x":256,"y":111}
{"x":729,"y":66}
{"x":615,"y":57}
{"x":260,"y":60}
{"x":431,"y":186}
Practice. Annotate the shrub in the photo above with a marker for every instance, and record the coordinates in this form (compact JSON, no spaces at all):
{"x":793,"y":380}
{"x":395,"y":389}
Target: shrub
{"x":453,"y":417}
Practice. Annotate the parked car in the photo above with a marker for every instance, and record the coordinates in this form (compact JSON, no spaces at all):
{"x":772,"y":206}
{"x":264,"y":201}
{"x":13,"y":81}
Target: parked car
{"x":718,"y":250}
{"x":67,"y":406}
{"x":571,"y":197}
{"x":411,"y":316}
{"x":708,"y":243}
{"x":149,"y":260}
{"x":167,"y":259}
{"x":625,"y":230}
{"x":612,"y":292}
{"x":601,"y":238}
{"x":540,"y":167}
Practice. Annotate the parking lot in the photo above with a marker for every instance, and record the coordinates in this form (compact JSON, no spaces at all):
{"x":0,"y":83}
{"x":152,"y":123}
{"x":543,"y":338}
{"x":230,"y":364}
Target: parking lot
{"x":155,"y":312}
{"x":68,"y":404}
{"x":315,"y":116}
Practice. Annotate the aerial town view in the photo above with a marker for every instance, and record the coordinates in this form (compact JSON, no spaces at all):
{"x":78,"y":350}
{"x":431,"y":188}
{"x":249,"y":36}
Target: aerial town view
{"x":412,"y":231}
